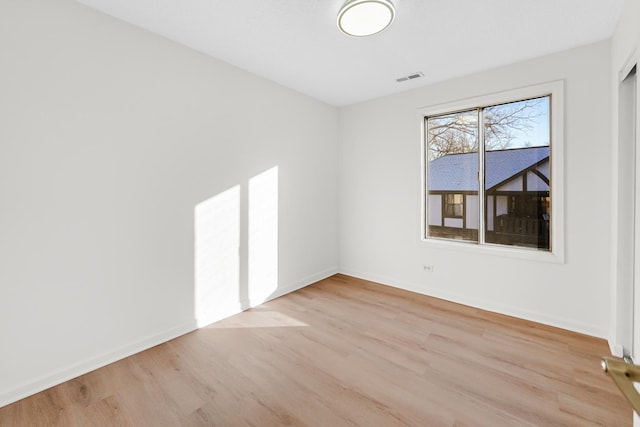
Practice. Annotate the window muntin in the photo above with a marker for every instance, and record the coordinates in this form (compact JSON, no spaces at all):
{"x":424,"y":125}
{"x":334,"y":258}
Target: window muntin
{"x":498,"y":155}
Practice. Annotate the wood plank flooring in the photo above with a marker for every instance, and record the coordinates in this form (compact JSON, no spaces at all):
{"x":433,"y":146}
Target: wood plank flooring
{"x":346,"y":352}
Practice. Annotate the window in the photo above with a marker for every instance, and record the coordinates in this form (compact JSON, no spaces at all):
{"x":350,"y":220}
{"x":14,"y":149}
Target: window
{"x":490,"y":175}
{"x":453,"y":207}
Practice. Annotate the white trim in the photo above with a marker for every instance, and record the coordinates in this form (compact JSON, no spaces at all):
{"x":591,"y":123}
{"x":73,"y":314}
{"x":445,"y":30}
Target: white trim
{"x":235,"y":308}
{"x":616,"y":349}
{"x":556,"y":90}
{"x":616,"y":339}
{"x":75,"y":370}
{"x":482,"y":220}
{"x":248,"y":303}
{"x":631,"y":62}
{"x":306,"y":281}
{"x":509,"y":310}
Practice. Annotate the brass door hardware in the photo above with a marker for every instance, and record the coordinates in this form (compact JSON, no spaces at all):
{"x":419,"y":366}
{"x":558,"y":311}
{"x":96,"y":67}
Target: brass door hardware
{"x":624,"y":375}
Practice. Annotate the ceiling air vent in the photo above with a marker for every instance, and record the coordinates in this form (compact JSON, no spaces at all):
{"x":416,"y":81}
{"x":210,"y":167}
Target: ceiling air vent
{"x":410,"y":77}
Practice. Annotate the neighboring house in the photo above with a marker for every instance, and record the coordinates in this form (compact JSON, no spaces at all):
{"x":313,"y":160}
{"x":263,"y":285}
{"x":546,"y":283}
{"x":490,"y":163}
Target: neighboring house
{"x":517,"y":188}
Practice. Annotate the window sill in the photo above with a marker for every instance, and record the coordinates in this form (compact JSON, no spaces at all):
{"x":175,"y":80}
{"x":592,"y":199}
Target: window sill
{"x":528,"y":254}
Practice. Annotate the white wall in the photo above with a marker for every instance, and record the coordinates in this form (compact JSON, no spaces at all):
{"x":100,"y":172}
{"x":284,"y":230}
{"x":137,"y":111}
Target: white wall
{"x":379,"y":201}
{"x":109,"y":139}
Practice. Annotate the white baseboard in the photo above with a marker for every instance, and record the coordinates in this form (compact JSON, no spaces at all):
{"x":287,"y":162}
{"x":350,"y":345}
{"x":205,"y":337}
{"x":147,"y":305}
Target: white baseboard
{"x":533,"y":316}
{"x":246,"y":304}
{"x":228,"y":312}
{"x":292,"y":287}
{"x":616,"y":349}
{"x":75,"y":370}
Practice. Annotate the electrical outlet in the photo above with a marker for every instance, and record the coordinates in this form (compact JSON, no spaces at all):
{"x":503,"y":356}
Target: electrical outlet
{"x":427,"y":268}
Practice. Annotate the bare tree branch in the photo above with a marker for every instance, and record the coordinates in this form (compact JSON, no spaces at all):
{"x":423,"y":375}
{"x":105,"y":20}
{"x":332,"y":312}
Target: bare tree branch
{"x":458,"y":132}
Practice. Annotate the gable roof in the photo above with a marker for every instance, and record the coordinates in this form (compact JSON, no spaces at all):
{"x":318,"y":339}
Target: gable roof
{"x":458,"y":172}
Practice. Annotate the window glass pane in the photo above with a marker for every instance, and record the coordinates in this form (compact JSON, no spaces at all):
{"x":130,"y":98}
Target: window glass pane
{"x":452,"y":181}
{"x":517,"y":173}
{"x":453,"y":205}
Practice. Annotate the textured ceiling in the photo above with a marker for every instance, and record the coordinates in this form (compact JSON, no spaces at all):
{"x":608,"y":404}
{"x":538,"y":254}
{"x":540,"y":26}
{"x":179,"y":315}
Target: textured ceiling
{"x":296,"y":42}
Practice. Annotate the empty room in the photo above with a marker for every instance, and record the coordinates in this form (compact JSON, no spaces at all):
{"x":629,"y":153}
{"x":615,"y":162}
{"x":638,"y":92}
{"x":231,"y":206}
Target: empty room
{"x":319,"y":213}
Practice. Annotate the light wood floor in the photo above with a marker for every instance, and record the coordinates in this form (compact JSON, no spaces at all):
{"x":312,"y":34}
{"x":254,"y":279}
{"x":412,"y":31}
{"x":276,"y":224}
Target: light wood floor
{"x":346,"y":352}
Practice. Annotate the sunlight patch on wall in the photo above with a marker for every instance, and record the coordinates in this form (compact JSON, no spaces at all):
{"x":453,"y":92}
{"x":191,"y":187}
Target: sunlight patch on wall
{"x":263,"y":235}
{"x":217,"y":260}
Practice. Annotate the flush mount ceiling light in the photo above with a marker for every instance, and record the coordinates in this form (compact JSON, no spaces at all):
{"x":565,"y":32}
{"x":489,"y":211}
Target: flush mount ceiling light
{"x":365,"y":17}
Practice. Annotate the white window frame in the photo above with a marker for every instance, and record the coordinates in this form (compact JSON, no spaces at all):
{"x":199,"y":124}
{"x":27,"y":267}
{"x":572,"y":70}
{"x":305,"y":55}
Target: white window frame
{"x":557,"y":233}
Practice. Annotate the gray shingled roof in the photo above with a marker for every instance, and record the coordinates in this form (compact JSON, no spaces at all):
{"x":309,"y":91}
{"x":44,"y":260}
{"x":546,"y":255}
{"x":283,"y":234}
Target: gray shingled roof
{"x":458,"y":172}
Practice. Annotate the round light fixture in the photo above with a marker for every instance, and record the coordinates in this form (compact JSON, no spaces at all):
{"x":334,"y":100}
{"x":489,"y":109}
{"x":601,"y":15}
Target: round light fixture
{"x":365,"y":17}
